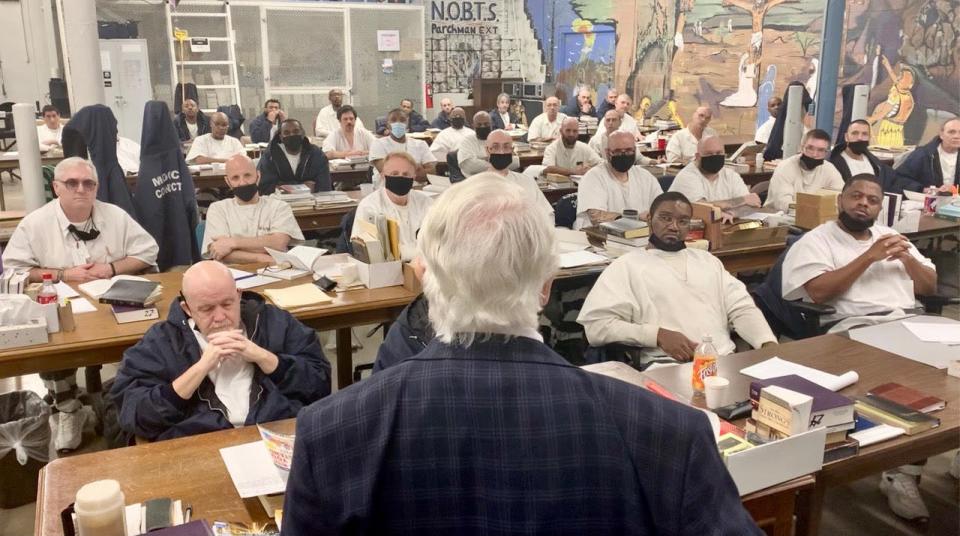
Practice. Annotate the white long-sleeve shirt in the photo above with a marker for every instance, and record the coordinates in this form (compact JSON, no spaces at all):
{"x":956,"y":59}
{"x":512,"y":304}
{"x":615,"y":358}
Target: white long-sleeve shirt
{"x":408,"y":217}
{"x":682,"y":146}
{"x":726,"y":185}
{"x":789,"y":178}
{"x":542,"y":127}
{"x":600,"y":190}
{"x":472,"y":157}
{"x":327,"y":122}
{"x":448,"y":140}
{"x":687,"y":291}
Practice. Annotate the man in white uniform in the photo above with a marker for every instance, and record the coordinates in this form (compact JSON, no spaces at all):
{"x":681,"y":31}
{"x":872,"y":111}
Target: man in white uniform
{"x":546,"y":126}
{"x":567,"y":156}
{"x":707,"y":179}
{"x":51,"y":131}
{"x":328,"y":119}
{"x":606,"y":190}
{"x":611,"y":123}
{"x":396,"y":201}
{"x":807,"y":171}
{"x":499,"y":147}
{"x":349,"y":138}
{"x":77,"y":239}
{"x":862,"y":268}
{"x":666,"y":297}
{"x":683,"y":144}
{"x":215,"y":146}
{"x":398,"y":141}
{"x":451,"y":138}
{"x":472,"y":155}
{"x":763,"y":131}
{"x":238,"y":229}
{"x":627,"y":122}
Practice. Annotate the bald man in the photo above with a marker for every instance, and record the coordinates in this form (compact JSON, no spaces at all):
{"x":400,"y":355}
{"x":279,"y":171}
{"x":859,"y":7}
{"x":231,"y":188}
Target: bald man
{"x":583,"y":105}
{"x":682,"y":146}
{"x":223,"y":358}
{"x":546,"y":126}
{"x":707,"y":179}
{"x":472,"y":154}
{"x":609,"y":102}
{"x":567,"y":156}
{"x":451,"y":138}
{"x":239,"y":228}
{"x":611,"y":123}
{"x":215,"y":147}
{"x":442,"y":120}
{"x":499,"y":146}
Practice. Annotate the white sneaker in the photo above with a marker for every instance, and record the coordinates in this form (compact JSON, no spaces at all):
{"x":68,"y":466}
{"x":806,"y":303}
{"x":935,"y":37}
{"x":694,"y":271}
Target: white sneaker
{"x":903,"y":495}
{"x":70,"y":427}
{"x":955,"y":466}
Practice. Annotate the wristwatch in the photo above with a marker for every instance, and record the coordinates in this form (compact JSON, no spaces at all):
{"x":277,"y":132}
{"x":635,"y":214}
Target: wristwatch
{"x":59,"y":275}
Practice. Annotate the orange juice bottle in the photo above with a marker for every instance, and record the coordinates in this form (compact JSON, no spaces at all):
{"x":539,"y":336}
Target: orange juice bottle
{"x":704,"y":363}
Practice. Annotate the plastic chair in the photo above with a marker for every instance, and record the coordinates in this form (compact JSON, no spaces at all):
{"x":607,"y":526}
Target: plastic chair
{"x":565,"y":211}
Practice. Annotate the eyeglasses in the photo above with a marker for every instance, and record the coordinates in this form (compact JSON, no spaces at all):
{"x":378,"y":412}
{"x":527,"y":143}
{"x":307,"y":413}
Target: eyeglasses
{"x":74,"y":184}
{"x":667,"y":219}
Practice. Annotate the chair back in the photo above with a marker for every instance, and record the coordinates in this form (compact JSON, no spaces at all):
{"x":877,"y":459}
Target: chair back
{"x":565,"y":211}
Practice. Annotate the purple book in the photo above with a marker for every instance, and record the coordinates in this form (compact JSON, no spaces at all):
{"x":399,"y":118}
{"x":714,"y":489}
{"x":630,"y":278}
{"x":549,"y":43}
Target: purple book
{"x":197,"y":527}
{"x":829,"y":408}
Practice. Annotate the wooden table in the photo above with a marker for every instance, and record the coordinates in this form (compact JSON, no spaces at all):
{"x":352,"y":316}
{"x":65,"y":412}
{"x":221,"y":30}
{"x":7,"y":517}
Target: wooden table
{"x":191,"y":469}
{"x":98,"y":338}
{"x":837,"y":354}
{"x":216,"y":178}
{"x":10,"y":163}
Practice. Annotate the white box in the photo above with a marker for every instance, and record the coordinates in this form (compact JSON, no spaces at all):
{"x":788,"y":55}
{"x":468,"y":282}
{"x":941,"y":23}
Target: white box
{"x":767,"y":465}
{"x":380,"y":274}
{"x":24,"y":334}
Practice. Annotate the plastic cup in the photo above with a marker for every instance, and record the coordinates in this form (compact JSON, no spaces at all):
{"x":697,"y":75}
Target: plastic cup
{"x":714,"y":387}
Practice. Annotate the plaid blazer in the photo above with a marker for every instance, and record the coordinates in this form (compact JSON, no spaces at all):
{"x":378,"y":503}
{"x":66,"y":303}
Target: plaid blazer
{"x":505,"y":437}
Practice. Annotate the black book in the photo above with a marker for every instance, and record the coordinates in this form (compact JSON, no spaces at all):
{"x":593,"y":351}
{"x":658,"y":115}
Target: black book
{"x":130,"y":293}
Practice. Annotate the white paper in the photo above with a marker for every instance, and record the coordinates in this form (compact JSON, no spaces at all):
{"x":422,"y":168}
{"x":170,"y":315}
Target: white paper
{"x":98,"y":287}
{"x":568,"y":236}
{"x":580,"y":258}
{"x":775,"y":367}
{"x":81,"y":305}
{"x":876,"y":434}
{"x":896,"y":338}
{"x":237,"y":274}
{"x":252,"y":470}
{"x":255,"y":281}
{"x":931,"y":332}
{"x":65,"y":291}
{"x":299,"y":257}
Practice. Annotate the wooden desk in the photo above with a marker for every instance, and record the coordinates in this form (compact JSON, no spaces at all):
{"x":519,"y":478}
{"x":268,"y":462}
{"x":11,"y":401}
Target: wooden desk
{"x":837,"y":354}
{"x":213,"y":179}
{"x":750,"y":258}
{"x":154,"y":470}
{"x":10,"y":163}
{"x":933,"y":227}
{"x":98,"y":338}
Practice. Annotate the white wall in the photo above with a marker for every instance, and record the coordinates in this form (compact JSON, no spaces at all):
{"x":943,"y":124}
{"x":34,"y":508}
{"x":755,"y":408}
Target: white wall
{"x":24,"y":52}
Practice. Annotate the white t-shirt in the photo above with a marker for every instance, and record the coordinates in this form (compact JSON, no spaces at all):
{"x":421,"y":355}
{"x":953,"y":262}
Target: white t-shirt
{"x":292,"y":159}
{"x":327,"y":122}
{"x":336,"y":141}
{"x":764,"y":130}
{"x":683,"y":144}
{"x":948,"y":165}
{"x":884,"y":286}
{"x":229,"y":218}
{"x":858,"y":167}
{"x":599,"y":143}
{"x":43,"y":240}
{"x":600,"y":190}
{"x":408,"y":217}
{"x":542,"y":127}
{"x":232,"y":381}
{"x":448,"y":140}
{"x":531,"y":189}
{"x":381,"y":147}
{"x":627,"y":124}
{"x":47,"y":137}
{"x":207,"y":145}
{"x":192,"y":129}
{"x":128,"y":155}
{"x":789,"y":178}
{"x":726,"y":185}
{"x":557,"y":154}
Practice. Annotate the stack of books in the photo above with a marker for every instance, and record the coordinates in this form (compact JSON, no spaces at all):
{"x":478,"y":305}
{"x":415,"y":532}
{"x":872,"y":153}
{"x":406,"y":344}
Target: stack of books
{"x":298,"y":196}
{"x":555,"y":180}
{"x":879,"y":409}
{"x":333,"y":199}
{"x":132,"y":300}
{"x":665,"y":124}
{"x":625,"y":231}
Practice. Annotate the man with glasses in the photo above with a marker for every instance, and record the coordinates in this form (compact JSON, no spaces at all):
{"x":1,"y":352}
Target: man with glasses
{"x":666,"y":297}
{"x":499,"y":146}
{"x":76,"y":239}
{"x":805,"y":172}
{"x":609,"y":189}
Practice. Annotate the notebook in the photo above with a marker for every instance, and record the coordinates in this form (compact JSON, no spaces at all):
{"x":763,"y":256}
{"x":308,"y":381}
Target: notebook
{"x":295,"y":297}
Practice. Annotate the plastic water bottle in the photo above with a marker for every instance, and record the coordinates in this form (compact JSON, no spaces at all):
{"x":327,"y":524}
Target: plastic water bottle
{"x":759,"y":163}
{"x":704,"y":363}
{"x":48,"y":294}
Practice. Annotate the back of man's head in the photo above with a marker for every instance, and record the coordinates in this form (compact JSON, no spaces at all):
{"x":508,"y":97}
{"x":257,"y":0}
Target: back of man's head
{"x":487,"y":252}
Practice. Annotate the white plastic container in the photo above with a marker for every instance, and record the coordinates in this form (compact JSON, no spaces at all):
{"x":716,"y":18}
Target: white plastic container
{"x":100,"y":509}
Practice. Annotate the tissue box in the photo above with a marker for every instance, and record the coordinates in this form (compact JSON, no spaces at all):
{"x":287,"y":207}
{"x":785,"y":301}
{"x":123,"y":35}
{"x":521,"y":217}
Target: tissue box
{"x":20,"y":335}
{"x":816,"y":208}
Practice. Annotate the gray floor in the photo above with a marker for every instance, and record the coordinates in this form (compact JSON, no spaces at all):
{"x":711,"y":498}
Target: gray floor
{"x":854,"y":509}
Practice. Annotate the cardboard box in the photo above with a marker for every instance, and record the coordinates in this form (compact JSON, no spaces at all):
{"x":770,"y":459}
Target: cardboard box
{"x":410,"y":280}
{"x":376,"y":275}
{"x":816,"y":208}
{"x":20,"y":335}
{"x":767,"y":465}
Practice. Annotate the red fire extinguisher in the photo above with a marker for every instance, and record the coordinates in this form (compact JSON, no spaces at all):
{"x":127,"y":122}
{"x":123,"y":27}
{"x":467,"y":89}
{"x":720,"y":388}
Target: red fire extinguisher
{"x":429,"y":90}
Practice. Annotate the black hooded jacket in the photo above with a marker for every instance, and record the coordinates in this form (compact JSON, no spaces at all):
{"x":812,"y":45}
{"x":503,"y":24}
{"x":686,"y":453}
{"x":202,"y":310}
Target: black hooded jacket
{"x":774,"y":150}
{"x":275,"y":168}
{"x":93,"y":131}
{"x":888,"y":177}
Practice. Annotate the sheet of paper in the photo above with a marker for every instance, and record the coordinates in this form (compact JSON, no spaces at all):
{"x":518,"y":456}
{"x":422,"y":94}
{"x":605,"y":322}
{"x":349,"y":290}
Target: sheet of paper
{"x":934,"y":332}
{"x":775,"y":367}
{"x":65,"y":291}
{"x":255,"y":281}
{"x":580,"y":258}
{"x":896,"y":338}
{"x":252,"y":470}
{"x":81,"y":305}
{"x":237,"y":274}
{"x":876,"y":434}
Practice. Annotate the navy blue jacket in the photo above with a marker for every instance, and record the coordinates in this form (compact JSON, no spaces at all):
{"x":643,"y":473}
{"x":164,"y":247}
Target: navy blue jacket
{"x":923,"y":165}
{"x":442,"y":121}
{"x":150,"y":408}
{"x":275,"y":167}
{"x":505,"y":437}
{"x":890,"y":180}
{"x":573,"y":110}
{"x":415,"y":123}
{"x":409,"y":334}
{"x":602,"y":108}
{"x":180,"y":121}
{"x":260,"y":129}
{"x":497,"y":124}
{"x":165,"y":200}
{"x":94,"y":129}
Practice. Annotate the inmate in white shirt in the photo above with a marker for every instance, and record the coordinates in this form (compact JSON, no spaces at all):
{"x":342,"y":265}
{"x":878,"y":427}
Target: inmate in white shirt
{"x":600,"y":190}
{"x":267,"y":216}
{"x":207,"y":145}
{"x":790,"y":177}
{"x":691,"y":182}
{"x":558,"y":154}
{"x":408,"y":217}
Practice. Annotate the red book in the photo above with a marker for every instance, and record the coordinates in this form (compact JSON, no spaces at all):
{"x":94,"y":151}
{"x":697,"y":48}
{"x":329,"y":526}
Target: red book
{"x":906,"y":396}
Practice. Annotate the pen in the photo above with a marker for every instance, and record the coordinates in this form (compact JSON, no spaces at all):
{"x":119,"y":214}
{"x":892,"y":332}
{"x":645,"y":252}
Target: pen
{"x":241,"y":278}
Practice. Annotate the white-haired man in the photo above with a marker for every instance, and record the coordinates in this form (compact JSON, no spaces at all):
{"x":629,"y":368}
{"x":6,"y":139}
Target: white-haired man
{"x":682,"y":146}
{"x":76,"y":239}
{"x":441,"y":424}
{"x":546,"y":126}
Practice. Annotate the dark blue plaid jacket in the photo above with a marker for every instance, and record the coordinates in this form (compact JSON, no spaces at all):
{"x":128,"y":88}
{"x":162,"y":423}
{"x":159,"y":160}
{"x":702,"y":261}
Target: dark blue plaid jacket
{"x":505,"y":437}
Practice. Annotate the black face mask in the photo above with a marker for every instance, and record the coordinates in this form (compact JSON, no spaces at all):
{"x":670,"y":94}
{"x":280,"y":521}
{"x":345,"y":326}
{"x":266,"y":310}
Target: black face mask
{"x":666,"y":246}
{"x":482,"y":132}
{"x":293,"y":143}
{"x":858,"y":147}
{"x":810,"y":163}
{"x":246,"y":192}
{"x":83,"y":236}
{"x":623,"y":162}
{"x":457,"y":122}
{"x":501,"y":161}
{"x":853,"y":224}
{"x":398,"y":185}
{"x":713,"y":163}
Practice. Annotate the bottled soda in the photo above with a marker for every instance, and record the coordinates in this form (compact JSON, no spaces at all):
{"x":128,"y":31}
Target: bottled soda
{"x":704,"y":363}
{"x":48,"y":294}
